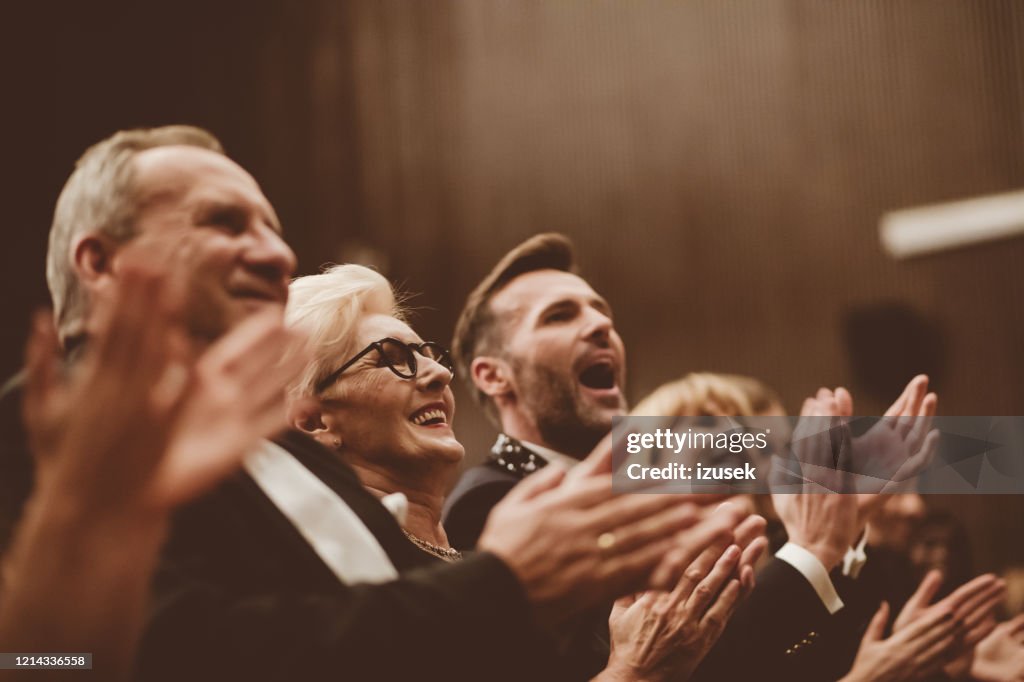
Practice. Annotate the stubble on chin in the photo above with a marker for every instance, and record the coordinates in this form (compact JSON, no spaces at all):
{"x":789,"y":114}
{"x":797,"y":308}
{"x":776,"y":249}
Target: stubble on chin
{"x":564,"y":418}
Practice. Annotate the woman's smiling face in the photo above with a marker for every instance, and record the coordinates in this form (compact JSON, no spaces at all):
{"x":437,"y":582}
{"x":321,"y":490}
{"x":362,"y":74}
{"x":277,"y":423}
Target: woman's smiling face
{"x":383,"y":418}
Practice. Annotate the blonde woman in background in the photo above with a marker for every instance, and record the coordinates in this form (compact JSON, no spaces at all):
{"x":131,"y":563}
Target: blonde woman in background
{"x":707,"y":394}
{"x":910,"y":651}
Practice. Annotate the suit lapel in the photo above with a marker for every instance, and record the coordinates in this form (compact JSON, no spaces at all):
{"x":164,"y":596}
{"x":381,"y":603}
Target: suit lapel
{"x":340,"y":478}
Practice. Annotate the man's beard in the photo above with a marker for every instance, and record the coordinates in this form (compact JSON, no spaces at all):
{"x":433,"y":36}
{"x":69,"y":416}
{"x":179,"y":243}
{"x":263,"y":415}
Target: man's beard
{"x":564,"y":421}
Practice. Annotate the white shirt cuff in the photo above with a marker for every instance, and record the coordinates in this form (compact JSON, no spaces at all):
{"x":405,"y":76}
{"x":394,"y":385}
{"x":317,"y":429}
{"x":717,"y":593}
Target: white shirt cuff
{"x":812,"y":569}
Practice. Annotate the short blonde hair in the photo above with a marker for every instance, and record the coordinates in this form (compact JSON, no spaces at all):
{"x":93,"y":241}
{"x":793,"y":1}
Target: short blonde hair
{"x":327,"y":307}
{"x":708,"y":394}
{"x":99,"y":196}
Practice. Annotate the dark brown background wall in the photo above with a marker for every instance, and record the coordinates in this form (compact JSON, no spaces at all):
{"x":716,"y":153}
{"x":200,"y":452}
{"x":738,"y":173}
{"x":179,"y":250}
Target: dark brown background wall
{"x":722,"y":167}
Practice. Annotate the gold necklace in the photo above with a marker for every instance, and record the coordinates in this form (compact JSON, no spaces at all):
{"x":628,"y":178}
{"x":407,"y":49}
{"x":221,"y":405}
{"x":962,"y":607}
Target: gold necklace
{"x":443,"y":553}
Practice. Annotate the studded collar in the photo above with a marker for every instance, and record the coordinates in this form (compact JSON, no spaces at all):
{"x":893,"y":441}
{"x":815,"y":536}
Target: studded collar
{"x":509,"y":455}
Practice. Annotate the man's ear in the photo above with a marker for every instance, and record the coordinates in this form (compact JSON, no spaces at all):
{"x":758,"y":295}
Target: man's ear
{"x":92,"y":258}
{"x":493,"y":376}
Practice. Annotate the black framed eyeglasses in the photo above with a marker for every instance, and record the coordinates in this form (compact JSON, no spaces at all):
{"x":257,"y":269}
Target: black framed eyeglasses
{"x":398,"y":356}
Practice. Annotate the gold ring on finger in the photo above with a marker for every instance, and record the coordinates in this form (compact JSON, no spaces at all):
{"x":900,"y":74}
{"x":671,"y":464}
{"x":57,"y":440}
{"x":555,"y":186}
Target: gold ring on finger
{"x":606,"y":540}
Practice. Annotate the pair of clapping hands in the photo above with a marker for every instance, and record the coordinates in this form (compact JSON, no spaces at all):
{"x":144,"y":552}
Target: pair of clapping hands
{"x":667,"y":633}
{"x":825,"y":457}
{"x":926,"y":638}
{"x":142,"y":422}
{"x":147,"y":420}
{"x":942,"y":637}
{"x":829,"y":461}
{"x":678,"y":564}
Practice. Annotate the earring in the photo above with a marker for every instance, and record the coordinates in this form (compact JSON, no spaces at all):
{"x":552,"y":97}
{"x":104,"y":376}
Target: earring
{"x":337,"y":443}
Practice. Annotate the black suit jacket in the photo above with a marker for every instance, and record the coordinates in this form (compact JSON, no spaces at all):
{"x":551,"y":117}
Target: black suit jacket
{"x":775,"y":633}
{"x":585,"y":643}
{"x":888,"y":576}
{"x":241,"y":595}
{"x":472,"y":499}
{"x":783,"y":631}
{"x":481,"y":487}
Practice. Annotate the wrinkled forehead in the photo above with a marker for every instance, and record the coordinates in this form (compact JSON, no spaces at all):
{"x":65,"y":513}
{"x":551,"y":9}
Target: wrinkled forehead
{"x":533,"y":291}
{"x":376,"y":326}
{"x":191,"y":175}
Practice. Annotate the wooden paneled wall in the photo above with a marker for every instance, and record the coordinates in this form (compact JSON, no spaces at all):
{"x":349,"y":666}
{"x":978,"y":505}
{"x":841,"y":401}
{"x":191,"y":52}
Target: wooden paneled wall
{"x":722,"y":168}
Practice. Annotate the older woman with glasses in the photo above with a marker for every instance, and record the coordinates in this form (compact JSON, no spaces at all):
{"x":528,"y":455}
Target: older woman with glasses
{"x":382,"y":396}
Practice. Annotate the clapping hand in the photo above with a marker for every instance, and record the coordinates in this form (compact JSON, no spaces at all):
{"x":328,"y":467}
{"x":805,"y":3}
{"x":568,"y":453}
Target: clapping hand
{"x":928,"y":637}
{"x":573,"y":543}
{"x":902,"y":444}
{"x":910,"y":654}
{"x":971,"y":606}
{"x":666,"y":634}
{"x":141,"y":422}
{"x":822,"y":522}
{"x":999,"y":657}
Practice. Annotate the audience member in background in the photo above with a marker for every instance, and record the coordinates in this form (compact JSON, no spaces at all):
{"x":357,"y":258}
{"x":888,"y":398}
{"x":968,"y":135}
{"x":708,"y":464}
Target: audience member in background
{"x":140,"y":427}
{"x":896,"y":521}
{"x":380,"y":397}
{"x":940,"y":543}
{"x":940,"y":550}
{"x":706,"y":394}
{"x":709,"y":394}
{"x":727,"y":395}
{"x":970,"y":606}
{"x":290,"y":568}
{"x":889,"y":575}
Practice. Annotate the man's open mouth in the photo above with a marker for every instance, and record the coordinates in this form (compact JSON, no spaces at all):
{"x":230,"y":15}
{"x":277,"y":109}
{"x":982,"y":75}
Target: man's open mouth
{"x":599,"y":376}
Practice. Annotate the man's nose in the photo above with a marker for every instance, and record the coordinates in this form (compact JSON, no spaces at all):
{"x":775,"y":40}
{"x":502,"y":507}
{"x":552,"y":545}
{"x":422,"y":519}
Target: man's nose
{"x":598,"y":327}
{"x":269,"y":254}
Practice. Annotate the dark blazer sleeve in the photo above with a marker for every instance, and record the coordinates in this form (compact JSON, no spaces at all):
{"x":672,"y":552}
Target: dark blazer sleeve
{"x":887,"y":575}
{"x":771,"y":631}
{"x":243,"y":597}
{"x":404,"y":629}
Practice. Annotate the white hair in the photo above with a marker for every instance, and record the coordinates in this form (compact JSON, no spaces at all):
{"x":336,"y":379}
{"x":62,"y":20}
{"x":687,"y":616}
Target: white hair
{"x":99,"y":197}
{"x":327,"y":307}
